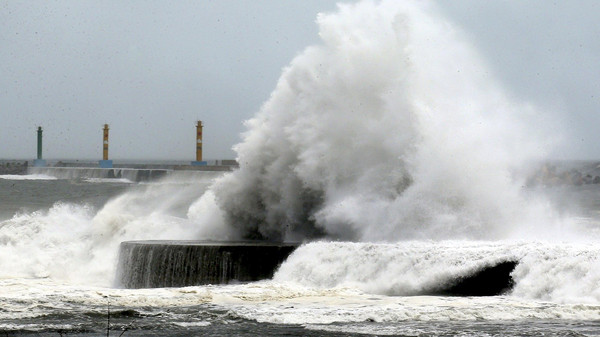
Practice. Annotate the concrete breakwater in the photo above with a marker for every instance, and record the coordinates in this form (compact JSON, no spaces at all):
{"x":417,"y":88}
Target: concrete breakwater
{"x":135,"y":175}
{"x":132,"y":172}
{"x":152,"y":264}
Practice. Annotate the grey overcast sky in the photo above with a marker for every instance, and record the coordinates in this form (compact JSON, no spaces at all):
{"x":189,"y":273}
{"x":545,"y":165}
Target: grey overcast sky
{"x":152,"y":68}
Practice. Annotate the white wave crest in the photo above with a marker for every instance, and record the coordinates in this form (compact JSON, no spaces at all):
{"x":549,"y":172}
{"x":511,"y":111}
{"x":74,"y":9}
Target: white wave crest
{"x":558,"y":272}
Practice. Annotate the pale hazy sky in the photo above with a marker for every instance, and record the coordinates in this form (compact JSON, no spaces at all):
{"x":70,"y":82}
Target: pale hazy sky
{"x":152,"y":68}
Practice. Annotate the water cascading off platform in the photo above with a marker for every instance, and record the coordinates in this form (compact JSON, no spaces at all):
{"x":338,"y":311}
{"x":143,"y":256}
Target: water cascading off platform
{"x":154,"y":264}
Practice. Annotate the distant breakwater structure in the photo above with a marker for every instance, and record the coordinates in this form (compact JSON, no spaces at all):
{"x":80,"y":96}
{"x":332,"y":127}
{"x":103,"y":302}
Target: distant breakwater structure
{"x":106,"y":168}
{"x":137,"y":172}
{"x":107,"y":163}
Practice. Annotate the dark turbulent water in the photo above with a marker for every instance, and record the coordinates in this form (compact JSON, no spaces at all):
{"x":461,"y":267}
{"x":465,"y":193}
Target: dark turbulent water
{"x":176,"y":321}
{"x":206,"y":321}
{"x":215,"y":321}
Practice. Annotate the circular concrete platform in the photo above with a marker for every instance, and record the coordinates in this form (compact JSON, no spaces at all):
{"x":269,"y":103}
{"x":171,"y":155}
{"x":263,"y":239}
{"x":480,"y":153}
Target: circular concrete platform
{"x":153,"y":264}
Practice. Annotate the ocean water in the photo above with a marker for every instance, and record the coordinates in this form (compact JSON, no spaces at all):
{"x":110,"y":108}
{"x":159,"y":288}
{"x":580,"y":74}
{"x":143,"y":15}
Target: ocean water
{"x":58,"y":254}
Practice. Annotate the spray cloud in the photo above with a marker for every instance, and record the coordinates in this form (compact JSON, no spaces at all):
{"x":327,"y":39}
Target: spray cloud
{"x":392,"y":128}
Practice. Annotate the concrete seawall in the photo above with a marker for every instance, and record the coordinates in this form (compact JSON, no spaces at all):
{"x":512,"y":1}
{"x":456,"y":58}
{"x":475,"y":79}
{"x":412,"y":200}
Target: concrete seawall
{"x":136,"y":174}
{"x":153,"y":264}
{"x":134,"y":171}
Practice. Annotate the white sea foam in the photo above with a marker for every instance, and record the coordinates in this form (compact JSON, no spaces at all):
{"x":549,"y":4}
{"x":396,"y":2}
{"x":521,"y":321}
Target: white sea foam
{"x":279,"y":303}
{"x":109,"y":180}
{"x":558,"y":272}
{"x":404,"y":309}
{"x":192,"y":324}
{"x":27,"y":177}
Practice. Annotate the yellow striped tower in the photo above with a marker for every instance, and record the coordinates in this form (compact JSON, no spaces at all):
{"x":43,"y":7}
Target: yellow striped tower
{"x":105,"y":163}
{"x":199,"y":145}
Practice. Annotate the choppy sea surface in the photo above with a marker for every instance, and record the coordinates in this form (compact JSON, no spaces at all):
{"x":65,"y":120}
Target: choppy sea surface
{"x":59,"y":241}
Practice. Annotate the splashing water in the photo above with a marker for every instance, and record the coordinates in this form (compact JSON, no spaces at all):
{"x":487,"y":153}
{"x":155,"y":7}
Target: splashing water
{"x":561,"y":272}
{"x":392,"y":128}
{"x":78,"y":243}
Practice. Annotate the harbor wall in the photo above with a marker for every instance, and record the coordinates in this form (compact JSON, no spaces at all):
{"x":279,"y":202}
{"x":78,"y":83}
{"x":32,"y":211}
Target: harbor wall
{"x":153,"y":264}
